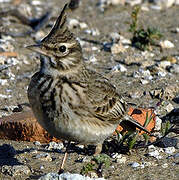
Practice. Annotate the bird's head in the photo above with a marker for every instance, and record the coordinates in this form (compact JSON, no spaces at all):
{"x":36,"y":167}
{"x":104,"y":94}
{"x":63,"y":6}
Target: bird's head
{"x":61,"y":49}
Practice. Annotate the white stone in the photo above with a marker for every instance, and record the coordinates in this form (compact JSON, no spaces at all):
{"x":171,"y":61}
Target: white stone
{"x":83,"y":25}
{"x":158,"y":124}
{"x":135,"y":165}
{"x":169,"y":150}
{"x":5,"y":96}
{"x":36,"y":2}
{"x":117,"y":48}
{"x":162,"y":73}
{"x":121,"y":160}
{"x":155,"y":154}
{"x":67,"y":176}
{"x":133,"y":2}
{"x":54,"y":146}
{"x":166,"y":44}
{"x":169,"y":107}
{"x":119,"y":67}
{"x":116,"y":2}
{"x":165,"y":165}
{"x":144,"y":81}
{"x":93,"y":59}
{"x":115,"y":37}
{"x":175,"y":68}
{"x":3,"y":82}
{"x":164,"y":64}
{"x":73,"y":23}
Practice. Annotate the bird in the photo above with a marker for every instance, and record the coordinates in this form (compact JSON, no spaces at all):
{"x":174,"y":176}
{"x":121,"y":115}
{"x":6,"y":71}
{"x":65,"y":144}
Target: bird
{"x":71,"y":101}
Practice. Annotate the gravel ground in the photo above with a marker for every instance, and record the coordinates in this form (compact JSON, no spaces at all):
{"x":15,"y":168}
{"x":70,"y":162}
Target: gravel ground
{"x":139,"y":76}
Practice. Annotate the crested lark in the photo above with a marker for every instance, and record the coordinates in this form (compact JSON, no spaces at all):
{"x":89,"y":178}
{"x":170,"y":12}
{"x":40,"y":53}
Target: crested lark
{"x":70,"y":101}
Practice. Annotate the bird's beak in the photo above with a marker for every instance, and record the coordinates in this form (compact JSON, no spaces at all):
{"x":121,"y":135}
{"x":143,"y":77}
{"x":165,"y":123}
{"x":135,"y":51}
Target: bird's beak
{"x":37,"y":48}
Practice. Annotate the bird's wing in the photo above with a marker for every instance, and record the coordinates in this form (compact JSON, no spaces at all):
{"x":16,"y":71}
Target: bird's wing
{"x":106,"y":103}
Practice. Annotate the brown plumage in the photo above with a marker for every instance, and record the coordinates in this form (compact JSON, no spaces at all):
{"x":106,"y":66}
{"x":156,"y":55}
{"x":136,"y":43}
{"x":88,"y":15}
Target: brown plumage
{"x":70,"y":101}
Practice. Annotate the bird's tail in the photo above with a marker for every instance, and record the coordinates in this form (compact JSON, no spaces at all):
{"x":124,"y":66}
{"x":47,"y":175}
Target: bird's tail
{"x":131,"y":124}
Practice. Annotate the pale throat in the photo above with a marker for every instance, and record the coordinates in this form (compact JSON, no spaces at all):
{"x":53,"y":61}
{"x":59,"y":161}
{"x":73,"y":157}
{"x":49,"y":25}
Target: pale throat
{"x":66,"y":66}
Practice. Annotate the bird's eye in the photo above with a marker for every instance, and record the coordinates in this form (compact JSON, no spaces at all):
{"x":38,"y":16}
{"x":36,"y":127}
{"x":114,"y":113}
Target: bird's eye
{"x":62,"y":48}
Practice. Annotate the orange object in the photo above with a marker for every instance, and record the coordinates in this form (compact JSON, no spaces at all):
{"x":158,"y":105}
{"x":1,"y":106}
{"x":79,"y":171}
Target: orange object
{"x":9,"y":54}
{"x":139,"y":115}
{"x":23,"y":127}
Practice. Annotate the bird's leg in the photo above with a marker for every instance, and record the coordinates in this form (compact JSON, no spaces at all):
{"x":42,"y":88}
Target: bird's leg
{"x":64,"y":159}
{"x":98,"y":149}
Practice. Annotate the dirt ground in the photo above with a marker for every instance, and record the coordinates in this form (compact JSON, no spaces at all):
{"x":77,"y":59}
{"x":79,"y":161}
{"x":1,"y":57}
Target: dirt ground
{"x":16,"y":71}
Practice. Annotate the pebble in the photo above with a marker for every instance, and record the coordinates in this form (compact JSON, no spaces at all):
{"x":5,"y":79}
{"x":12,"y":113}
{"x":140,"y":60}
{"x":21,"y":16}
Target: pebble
{"x":154,"y":152}
{"x":115,"y":37}
{"x":15,"y":170}
{"x":169,"y":150}
{"x":133,"y":2}
{"x":43,"y":157}
{"x":144,"y":81}
{"x":3,"y":82}
{"x":93,"y":32}
{"x":37,"y":143}
{"x":158,"y":124}
{"x":164,"y":64}
{"x":117,"y":48}
{"x":165,"y":165}
{"x":121,"y":160}
{"x":166,"y":44}
{"x":162,"y":74}
{"x":119,"y":67}
{"x":135,"y":165}
{"x":73,"y":23}
{"x":83,"y":25}
{"x":5,"y":96}
{"x":69,"y":176}
{"x":169,"y":107}
{"x":93,"y":59}
{"x":55,"y":146}
{"x":174,"y":68}
{"x":163,"y":4}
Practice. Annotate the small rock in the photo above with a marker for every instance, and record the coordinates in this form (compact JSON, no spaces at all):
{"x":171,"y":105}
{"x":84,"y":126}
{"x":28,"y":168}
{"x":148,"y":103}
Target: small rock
{"x":15,"y":170}
{"x":169,"y":150}
{"x":83,"y":25}
{"x":37,"y":143}
{"x":121,"y":160}
{"x":174,"y":68}
{"x":144,"y":81}
{"x":5,"y":96}
{"x":164,"y":64}
{"x":169,"y":107}
{"x":116,"y":156}
{"x":117,"y":48}
{"x":135,"y":165}
{"x":166,"y":44}
{"x":69,"y":176}
{"x":73,"y":23}
{"x":133,"y":2}
{"x":165,"y":165}
{"x":55,"y":146}
{"x":93,"y":32}
{"x":158,"y":124}
{"x":119,"y":67}
{"x":43,"y":157}
{"x":155,"y":154}
{"x":116,"y":2}
{"x":93,"y":59}
{"x":115,"y":37}
{"x":162,"y":74}
{"x":3,"y":82}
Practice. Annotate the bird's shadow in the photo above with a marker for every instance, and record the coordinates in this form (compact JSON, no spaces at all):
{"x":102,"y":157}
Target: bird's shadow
{"x":7,"y":155}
